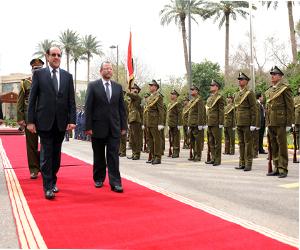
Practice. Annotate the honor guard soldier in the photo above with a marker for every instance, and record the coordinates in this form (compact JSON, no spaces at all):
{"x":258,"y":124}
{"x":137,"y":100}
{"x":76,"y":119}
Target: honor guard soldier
{"x":82,"y":131}
{"x":174,"y":116}
{"x":196,"y":121}
{"x":215,"y":122}
{"x":280,"y":109}
{"x":78,"y":117}
{"x":255,"y":133}
{"x":229,"y":126}
{"x":144,"y":125}
{"x":296,"y":123}
{"x":185,"y":115}
{"x":134,"y":122}
{"x":245,"y":121}
{"x":33,"y":155}
{"x":123,"y":140}
{"x":154,"y":123}
{"x":162,"y":131}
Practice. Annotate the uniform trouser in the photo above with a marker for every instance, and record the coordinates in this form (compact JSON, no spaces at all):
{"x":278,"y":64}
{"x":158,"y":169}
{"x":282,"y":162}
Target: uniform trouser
{"x":154,"y":140}
{"x":135,"y":133}
{"x":123,"y":140}
{"x":229,"y":140}
{"x":33,"y":155}
{"x":196,"y":141}
{"x":67,"y":135}
{"x":186,"y":136}
{"x":255,"y":138}
{"x":130,"y":139}
{"x":76,"y":131}
{"x":261,"y":139}
{"x":163,"y":140}
{"x":278,"y":140}
{"x":245,"y":145}
{"x":141,"y":138}
{"x":215,"y":143}
{"x":297,"y":134}
{"x":81,"y":128}
{"x":175,"y":137}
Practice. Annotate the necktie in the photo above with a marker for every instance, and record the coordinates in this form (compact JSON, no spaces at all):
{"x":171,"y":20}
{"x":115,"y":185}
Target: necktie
{"x":263,"y":107}
{"x":107,"y":92}
{"x":54,"y":80}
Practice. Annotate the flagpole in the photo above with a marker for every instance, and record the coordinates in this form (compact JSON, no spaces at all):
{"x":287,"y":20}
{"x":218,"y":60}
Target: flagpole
{"x":251,"y":50}
{"x":190,"y":54}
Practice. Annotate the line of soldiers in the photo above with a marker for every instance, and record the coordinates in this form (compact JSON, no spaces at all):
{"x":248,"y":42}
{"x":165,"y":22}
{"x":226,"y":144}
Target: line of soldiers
{"x":243,"y":116}
{"x":79,"y":129}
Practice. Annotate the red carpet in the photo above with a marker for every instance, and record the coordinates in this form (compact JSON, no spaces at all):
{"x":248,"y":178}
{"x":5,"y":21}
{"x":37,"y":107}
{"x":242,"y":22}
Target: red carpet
{"x":81,"y":216}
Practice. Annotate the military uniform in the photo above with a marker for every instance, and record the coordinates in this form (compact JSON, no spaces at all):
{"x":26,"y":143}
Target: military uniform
{"x":134,"y":120}
{"x":229,"y":128}
{"x":154,"y":117}
{"x":245,"y":117}
{"x":185,"y":115}
{"x":33,"y":155}
{"x":297,"y":118}
{"x":279,"y":109}
{"x":78,"y":117}
{"x":255,"y":133}
{"x":144,"y":124}
{"x":215,"y":122}
{"x":123,"y":140}
{"x":174,"y":116}
{"x":196,"y":120}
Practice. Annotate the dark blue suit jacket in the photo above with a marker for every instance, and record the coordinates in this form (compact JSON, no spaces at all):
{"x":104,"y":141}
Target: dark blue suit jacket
{"x":44,"y":105}
{"x":102,"y":116}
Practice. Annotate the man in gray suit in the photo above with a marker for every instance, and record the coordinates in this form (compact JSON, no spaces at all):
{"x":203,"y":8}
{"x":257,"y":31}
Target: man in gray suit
{"x":105,"y":120}
{"x":50,"y":112}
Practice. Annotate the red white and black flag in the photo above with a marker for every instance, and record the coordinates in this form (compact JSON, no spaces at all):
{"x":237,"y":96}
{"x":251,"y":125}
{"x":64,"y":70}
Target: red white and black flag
{"x":130,"y":64}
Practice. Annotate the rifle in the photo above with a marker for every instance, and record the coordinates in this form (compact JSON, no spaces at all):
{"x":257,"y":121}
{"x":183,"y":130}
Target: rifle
{"x":269,"y":154}
{"x":170,"y":144}
{"x":225,"y":149}
{"x":145,"y":141}
{"x":149,"y":157}
{"x":208,"y":147}
{"x":191,"y":147}
{"x":295,"y":147}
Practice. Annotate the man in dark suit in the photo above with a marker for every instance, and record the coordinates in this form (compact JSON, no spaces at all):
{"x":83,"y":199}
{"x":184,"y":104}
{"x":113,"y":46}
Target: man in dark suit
{"x":105,"y":120}
{"x":51,"y":110}
{"x":260,"y":98}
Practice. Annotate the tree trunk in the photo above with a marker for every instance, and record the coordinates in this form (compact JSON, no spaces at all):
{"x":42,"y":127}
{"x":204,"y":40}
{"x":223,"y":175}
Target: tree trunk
{"x":88,"y":73}
{"x":75,"y":81}
{"x":68,"y":55}
{"x":46,"y":61}
{"x":226,"y":47}
{"x":292,"y":31}
{"x":184,"y":45}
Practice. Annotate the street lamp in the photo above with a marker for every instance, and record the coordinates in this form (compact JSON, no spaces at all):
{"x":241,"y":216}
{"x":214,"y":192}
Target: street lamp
{"x":159,"y":83}
{"x":114,"y":47}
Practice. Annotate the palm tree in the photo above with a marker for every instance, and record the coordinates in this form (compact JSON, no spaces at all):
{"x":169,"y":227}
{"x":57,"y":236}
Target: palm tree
{"x":91,"y":46}
{"x":291,"y":24}
{"x":225,"y":10}
{"x":68,"y":40}
{"x":76,"y":55}
{"x":178,"y":11}
{"x":42,"y":48}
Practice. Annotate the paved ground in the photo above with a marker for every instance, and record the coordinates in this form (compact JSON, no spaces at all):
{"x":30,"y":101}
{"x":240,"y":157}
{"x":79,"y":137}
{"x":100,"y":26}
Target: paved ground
{"x":250,"y":195}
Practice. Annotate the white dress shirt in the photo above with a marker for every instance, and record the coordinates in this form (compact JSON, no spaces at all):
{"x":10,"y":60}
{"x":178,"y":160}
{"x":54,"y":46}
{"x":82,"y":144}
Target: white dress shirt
{"x":57,"y":76}
{"x":109,"y":86}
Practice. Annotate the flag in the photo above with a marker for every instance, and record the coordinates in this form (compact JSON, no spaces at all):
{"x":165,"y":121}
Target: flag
{"x":130,"y":65}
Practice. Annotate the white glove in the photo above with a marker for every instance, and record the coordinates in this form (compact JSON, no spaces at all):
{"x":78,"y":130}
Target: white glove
{"x":188,"y":129}
{"x":257,"y":128}
{"x":220,"y":126}
{"x":178,"y":127}
{"x":234,"y":128}
{"x":200,"y":127}
{"x":160,"y":127}
{"x":266,"y":130}
{"x":287,"y":129}
{"x":168,"y":128}
{"x":293,"y":125}
{"x":252,"y":128}
{"x":143,"y":127}
{"x":129,"y":126}
{"x":204,"y":127}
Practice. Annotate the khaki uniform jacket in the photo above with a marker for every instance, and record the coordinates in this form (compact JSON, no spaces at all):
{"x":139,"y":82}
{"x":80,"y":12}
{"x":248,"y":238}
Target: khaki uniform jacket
{"x":185,"y":115}
{"x":174,"y":114}
{"x":154,"y":111}
{"x":196,"y":111}
{"x":245,"y":109}
{"x":22,"y":101}
{"x":280,"y":105}
{"x":229,"y":116}
{"x":165,"y":114}
{"x":297,"y":110}
{"x":134,"y":108}
{"x":258,"y":116}
{"x":215,"y":110}
{"x":126,"y":109}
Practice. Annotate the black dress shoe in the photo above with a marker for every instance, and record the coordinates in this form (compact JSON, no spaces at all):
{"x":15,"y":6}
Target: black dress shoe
{"x":175,"y":156}
{"x":121,"y":155}
{"x":49,"y":194}
{"x":196,"y":160}
{"x":282,"y":175}
{"x":98,"y":184}
{"x":255,"y":156}
{"x":148,"y":161}
{"x":263,"y":152}
{"x":247,"y":169}
{"x":135,"y":158}
{"x":155,"y":162}
{"x":117,"y":189}
{"x":216,"y":163}
{"x":225,"y":153}
{"x":295,"y":161}
{"x":240,"y":167}
{"x":272,"y":174}
{"x":33,"y":176}
{"x":209,"y":162}
{"x":55,"y":189}
{"x":129,"y":157}
{"x":231,"y":153}
{"x":191,"y":159}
